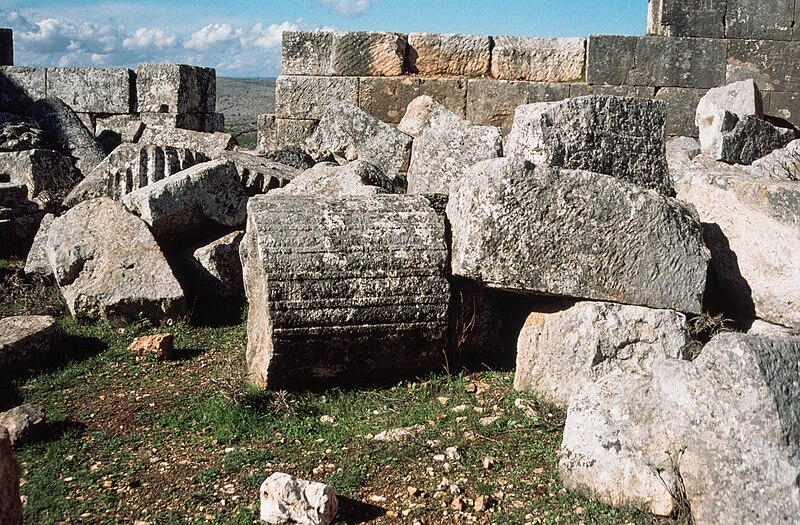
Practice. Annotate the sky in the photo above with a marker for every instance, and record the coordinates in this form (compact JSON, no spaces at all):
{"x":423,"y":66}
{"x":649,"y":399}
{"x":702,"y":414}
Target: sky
{"x":242,"y":38}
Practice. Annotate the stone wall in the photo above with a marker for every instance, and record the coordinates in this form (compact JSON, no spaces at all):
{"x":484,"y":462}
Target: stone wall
{"x":694,"y":46}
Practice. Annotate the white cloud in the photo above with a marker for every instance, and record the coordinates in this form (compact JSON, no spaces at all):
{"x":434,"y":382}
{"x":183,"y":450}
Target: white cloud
{"x":349,"y":7}
{"x":145,"y":38}
{"x":211,"y":36}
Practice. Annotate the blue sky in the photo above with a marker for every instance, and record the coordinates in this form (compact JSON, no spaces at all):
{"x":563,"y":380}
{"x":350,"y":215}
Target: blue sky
{"x":242,"y":38}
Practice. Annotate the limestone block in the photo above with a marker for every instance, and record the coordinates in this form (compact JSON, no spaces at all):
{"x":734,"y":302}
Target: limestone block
{"x":267,"y":130}
{"x":211,"y":145}
{"x":41,"y":170}
{"x":260,"y":175}
{"x":492,"y":102}
{"x":10,"y":502}
{"x":439,"y":54}
{"x":37,"y":262}
{"x":450,"y":92}
{"x":681,"y":104}
{"x":108,"y":265}
{"x":742,"y":141}
{"x":538,"y":59}
{"x":160,"y":346}
{"x":550,"y":231}
{"x":307,"y":53}
{"x":561,"y":350}
{"x":293,"y":132}
{"x":424,"y":112}
{"x":205,"y":122}
{"x":93,"y":90}
{"x":781,"y":164}
{"x":680,"y":153}
{"x":349,"y":132}
{"x":287,"y":500}
{"x":191,"y":203}
{"x":24,"y":423}
{"x":176,"y":88}
{"x":770,"y":63}
{"x":6,"y":47}
{"x":307,"y":98}
{"x":655,"y":61}
{"x":357,"y":53}
{"x":293,"y":157}
{"x":696,"y":18}
{"x":621,"y":137}
{"x":751,"y":227}
{"x":29,"y":342}
{"x":21,"y":86}
{"x":130,"y":167}
{"x":373,"y":286}
{"x":117,"y":129}
{"x":784,"y":105}
{"x":213,"y":269}
{"x":760,"y":20}
{"x":386,"y":98}
{"x":327,"y":179}
{"x":579,"y":89}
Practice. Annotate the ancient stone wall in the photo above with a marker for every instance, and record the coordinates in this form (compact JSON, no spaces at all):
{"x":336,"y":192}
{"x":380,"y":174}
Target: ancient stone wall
{"x":693,"y":46}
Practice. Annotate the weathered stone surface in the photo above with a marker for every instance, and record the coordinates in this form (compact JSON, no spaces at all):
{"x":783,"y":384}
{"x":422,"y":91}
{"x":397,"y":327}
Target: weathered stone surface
{"x":191,"y":203}
{"x":373,"y":286}
{"x":332,"y":53}
{"x":210,"y":145}
{"x":538,"y":59}
{"x":718,"y":113}
{"x":65,"y":129}
{"x":422,"y":113}
{"x":680,"y":153}
{"x":400,"y":434}
{"x":21,"y":86}
{"x":655,"y":61}
{"x":763,"y":328}
{"x":266,"y":138}
{"x":176,"y":88}
{"x":286,"y":500}
{"x":351,"y":133}
{"x":784,"y":105}
{"x":20,"y":134}
{"x":492,"y":102}
{"x":781,"y":164}
{"x":387,"y":98}
{"x":309,"y":97}
{"x":550,"y":231}
{"x":217,"y":269}
{"x":450,"y":92}
{"x":108,"y":265}
{"x":579,"y":89}
{"x":697,"y":18}
{"x":633,"y":438}
{"x":23,"y":423}
{"x":770,"y":63}
{"x":18,"y":226}
{"x":38,"y":169}
{"x":205,"y":122}
{"x":290,"y":156}
{"x":768,"y":21}
{"x":621,"y":137}
{"x":742,"y":98}
{"x":432,"y":54}
{"x":258,"y":174}
{"x":10,"y":503}
{"x":130,"y":167}
{"x":280,"y":133}
{"x":93,"y":90}
{"x":445,"y":147}
{"x":681,"y":105}
{"x":751,"y":226}
{"x":159,"y":345}
{"x":741,"y":140}
{"x":327,"y":179}
{"x":37,"y":262}
{"x":307,"y":53}
{"x":28,"y":342}
{"x":561,"y":350}
{"x":118,"y":129}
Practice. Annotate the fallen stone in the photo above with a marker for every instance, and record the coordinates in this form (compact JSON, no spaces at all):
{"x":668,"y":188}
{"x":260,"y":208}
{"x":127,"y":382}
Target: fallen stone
{"x":618,"y":136}
{"x":191,"y":204}
{"x":66,"y":130}
{"x":680,"y":153}
{"x":176,"y":88}
{"x":23,"y":423}
{"x":108,"y":265}
{"x":37,"y":262}
{"x":41,"y":170}
{"x":353,"y":134}
{"x":214,"y":269}
{"x":549,"y":231}
{"x":287,"y":500}
{"x":375,"y":287}
{"x":131,"y":167}
{"x":159,"y":345}
{"x":118,"y":129}
{"x":398,"y":435}
{"x":538,"y":59}
{"x":258,"y":174}
{"x":560,"y":351}
{"x":437,"y":54}
{"x":210,"y":145}
{"x":327,"y":179}
{"x":21,"y":135}
{"x":28,"y":342}
{"x":292,"y":157}
{"x":424,"y":112}
{"x":751,"y":227}
{"x":10,"y":502}
{"x":781,"y":164}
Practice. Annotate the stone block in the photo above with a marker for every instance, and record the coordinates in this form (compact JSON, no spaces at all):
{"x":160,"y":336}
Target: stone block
{"x":6,"y":47}
{"x":784,"y":105}
{"x":580,"y":89}
{"x":38,"y":169}
{"x":29,"y":342}
{"x":258,"y":174}
{"x":772,"y":20}
{"x":12,"y":194}
{"x":24,"y":423}
{"x":386,"y":98}
{"x":37,"y":262}
{"x":286,"y":499}
{"x":93,"y":90}
{"x":114,"y":130}
{"x":211,"y":145}
{"x":215,"y":268}
{"x":298,"y":97}
{"x":492,"y":102}
{"x":330,"y":180}
{"x":450,"y":92}
{"x":292,"y":132}
{"x":21,"y":86}
{"x":695,"y":18}
{"x":438,"y":54}
{"x":655,"y":61}
{"x":772,"y":64}
{"x":681,"y":105}
{"x":538,"y":59}
{"x":176,"y":88}
{"x":205,"y":122}
{"x":266,"y":129}
{"x":307,"y":53}
{"x":358,"y":53}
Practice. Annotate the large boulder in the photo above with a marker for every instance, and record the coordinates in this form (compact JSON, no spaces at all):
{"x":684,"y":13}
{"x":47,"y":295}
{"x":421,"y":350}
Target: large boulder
{"x":446,"y":147}
{"x":343,"y":291}
{"x":752,"y":227}
{"x":287,"y":500}
{"x":559,"y":351}
{"x":718,"y":435}
{"x":353,"y":134}
{"x":29,"y":342}
{"x":196,"y":202}
{"x":108,"y":265}
{"x":618,"y":136}
{"x":327,"y":179}
{"x":10,"y":502}
{"x":549,"y":231}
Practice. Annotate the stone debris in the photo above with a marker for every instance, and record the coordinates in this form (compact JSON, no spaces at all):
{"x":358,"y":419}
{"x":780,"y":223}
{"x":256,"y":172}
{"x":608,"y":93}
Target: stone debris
{"x":290,"y":156}
{"x":327,"y":179}
{"x":558,"y":351}
{"x":549,"y":231}
{"x":214,"y":269}
{"x":21,"y":134}
{"x":23,"y":423}
{"x":258,"y":174}
{"x":287,"y":500}
{"x":617,"y":136}
{"x":159,"y":345}
{"x":29,"y":342}
{"x":40,"y":170}
{"x":10,"y":502}
{"x":118,"y":129}
{"x":781,"y":164}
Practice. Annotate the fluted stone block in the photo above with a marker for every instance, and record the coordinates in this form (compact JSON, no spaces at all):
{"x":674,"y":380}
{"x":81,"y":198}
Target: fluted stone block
{"x":205,"y":122}
{"x":259,"y":175}
{"x":210,"y":145}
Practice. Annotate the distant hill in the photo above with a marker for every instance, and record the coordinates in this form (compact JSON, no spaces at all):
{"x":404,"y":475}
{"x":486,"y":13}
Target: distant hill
{"x":242,"y":100}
